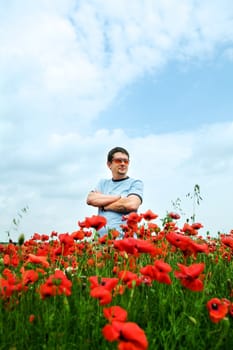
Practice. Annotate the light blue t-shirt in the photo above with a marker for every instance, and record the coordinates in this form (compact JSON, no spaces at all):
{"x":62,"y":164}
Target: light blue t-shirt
{"x":124,"y":188}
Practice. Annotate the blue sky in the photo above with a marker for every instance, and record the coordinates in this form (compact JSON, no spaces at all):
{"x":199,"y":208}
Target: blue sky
{"x":80,"y":77}
{"x":177,"y":98}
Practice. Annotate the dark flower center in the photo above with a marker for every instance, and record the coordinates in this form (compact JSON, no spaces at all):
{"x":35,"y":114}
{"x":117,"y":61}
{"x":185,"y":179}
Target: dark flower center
{"x":214,"y":306}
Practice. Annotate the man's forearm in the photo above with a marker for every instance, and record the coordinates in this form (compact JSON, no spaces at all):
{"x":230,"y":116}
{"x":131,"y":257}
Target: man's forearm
{"x":124,"y":205}
{"x":118,"y":206}
{"x":98,"y":199}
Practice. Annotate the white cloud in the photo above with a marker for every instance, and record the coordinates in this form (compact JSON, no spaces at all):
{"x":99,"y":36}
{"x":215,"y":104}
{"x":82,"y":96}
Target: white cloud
{"x":170,"y":166}
{"x":61,"y":64}
{"x":72,"y":59}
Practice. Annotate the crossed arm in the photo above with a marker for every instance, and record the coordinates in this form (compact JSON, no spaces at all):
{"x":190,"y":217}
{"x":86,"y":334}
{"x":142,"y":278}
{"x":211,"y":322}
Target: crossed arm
{"x":114,"y":202}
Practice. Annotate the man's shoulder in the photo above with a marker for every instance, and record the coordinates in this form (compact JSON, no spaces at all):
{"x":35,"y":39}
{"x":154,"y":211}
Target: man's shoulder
{"x":132,"y":180}
{"x":104,"y":182}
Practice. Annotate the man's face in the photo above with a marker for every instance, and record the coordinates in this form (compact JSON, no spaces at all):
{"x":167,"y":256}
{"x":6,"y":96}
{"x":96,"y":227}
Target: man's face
{"x":119,"y":165}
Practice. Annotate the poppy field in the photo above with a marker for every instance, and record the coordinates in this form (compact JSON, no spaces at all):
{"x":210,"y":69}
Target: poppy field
{"x":162,"y":286}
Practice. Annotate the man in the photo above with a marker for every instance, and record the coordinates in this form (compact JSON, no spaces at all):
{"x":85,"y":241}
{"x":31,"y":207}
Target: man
{"x":119,"y":195}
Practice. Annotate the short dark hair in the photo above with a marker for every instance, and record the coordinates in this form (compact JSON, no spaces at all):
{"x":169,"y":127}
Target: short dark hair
{"x":115,"y":150}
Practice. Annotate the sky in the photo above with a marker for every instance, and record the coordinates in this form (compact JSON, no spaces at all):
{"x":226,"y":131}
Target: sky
{"x":79,"y":77}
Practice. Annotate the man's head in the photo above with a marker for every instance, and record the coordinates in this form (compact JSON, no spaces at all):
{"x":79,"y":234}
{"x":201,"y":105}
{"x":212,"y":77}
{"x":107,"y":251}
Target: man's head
{"x":115,"y":150}
{"x":118,"y":161}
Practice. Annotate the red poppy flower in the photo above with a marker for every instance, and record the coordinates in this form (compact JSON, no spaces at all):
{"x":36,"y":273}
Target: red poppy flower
{"x":153,"y":227}
{"x":189,"y":230}
{"x":133,"y":246}
{"x":144,"y":246}
{"x":129,"y":278}
{"x":159,"y":271}
{"x":149,"y":215}
{"x":95,"y":221}
{"x":103,"y":239}
{"x":78,"y":235}
{"x":9,"y":284}
{"x":227,"y":240}
{"x":170,"y":226}
{"x":132,"y":220}
{"x":56,"y":284}
{"x":104,"y":295}
{"x":197,"y":225}
{"x":178,"y":240}
{"x":128,"y":334}
{"x":126,"y":245}
{"x":32,"y":318}
{"x":11,"y":260}
{"x":108,"y":283}
{"x":53,"y":234}
{"x":115,"y":313}
{"x":174,"y":216}
{"x":29,"y":276}
{"x":44,"y":237}
{"x":188,"y":276}
{"x":35,"y":259}
{"x":36,"y":237}
{"x":198,"y":248}
{"x":102,"y":289}
{"x":162,"y":271}
{"x":66,"y":239}
{"x":217,"y":308}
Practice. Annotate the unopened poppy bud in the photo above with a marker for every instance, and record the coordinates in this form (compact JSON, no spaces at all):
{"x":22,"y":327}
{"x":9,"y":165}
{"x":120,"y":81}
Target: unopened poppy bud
{"x":21,"y":239}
